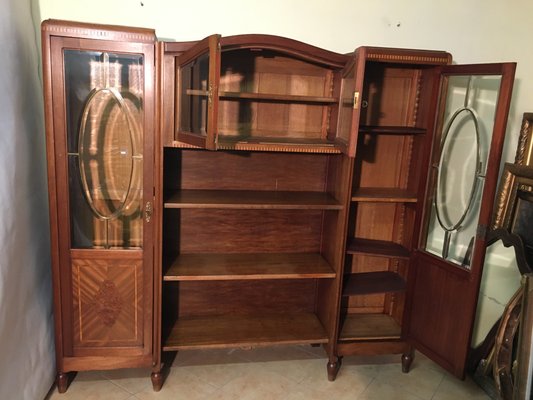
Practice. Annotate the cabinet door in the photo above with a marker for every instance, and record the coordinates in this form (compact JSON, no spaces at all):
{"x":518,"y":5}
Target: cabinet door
{"x":350,"y":103}
{"x":101,"y":152}
{"x":198,"y":76}
{"x":446,"y":269}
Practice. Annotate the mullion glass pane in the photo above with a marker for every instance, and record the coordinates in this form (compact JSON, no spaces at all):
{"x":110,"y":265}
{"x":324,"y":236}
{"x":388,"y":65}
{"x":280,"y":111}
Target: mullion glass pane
{"x":104,"y":94}
{"x":194,"y":88}
{"x":461,"y":164}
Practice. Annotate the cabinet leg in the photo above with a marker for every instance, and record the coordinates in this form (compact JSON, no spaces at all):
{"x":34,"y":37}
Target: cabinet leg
{"x":407,"y":360}
{"x":333,"y":368}
{"x":62,"y":382}
{"x":157,"y":380}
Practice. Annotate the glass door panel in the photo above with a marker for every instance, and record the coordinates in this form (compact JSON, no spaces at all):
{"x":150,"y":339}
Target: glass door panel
{"x":197,"y":82}
{"x":194,"y":95}
{"x":460,"y":165}
{"x":445,"y":271}
{"x":104,"y":99}
{"x":349,"y":104}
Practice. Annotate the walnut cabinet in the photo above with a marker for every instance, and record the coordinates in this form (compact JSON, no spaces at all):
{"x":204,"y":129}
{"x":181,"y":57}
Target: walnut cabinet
{"x":253,"y":190}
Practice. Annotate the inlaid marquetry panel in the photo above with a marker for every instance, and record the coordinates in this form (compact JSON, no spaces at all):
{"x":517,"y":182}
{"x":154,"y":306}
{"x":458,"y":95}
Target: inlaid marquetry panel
{"x":107,"y":302}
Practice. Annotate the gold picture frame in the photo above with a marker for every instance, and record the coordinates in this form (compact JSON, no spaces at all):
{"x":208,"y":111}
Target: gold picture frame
{"x":524,"y":151}
{"x":516,"y":183}
{"x":516,"y":187}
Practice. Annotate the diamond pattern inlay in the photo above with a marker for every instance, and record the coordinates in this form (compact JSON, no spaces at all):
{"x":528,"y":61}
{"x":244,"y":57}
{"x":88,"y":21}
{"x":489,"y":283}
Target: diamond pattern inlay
{"x":108,"y":303}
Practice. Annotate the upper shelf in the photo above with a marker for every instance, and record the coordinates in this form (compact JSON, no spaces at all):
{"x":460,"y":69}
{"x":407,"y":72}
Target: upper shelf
{"x":266,"y":96}
{"x":392,"y":130}
{"x":251,"y":199}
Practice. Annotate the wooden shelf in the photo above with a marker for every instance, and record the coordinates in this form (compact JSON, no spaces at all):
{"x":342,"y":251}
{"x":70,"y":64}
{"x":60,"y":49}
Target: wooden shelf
{"x":245,"y":331}
{"x":384,"y":195}
{"x":266,"y":141}
{"x":369,"y":327}
{"x":248,"y":199}
{"x":377,"y":248}
{"x":392,"y":130}
{"x":207,"y":267}
{"x":373,"y":282}
{"x":266,"y":97}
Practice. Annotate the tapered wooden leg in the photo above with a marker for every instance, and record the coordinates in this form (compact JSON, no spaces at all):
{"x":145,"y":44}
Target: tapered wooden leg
{"x":62,"y":382}
{"x":157,"y":380}
{"x":333,"y":369}
{"x":407,"y":360}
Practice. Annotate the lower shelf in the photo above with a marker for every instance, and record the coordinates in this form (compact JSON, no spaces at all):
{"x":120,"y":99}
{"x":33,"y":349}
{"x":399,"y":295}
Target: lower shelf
{"x":369,"y":327}
{"x":245,"y":331}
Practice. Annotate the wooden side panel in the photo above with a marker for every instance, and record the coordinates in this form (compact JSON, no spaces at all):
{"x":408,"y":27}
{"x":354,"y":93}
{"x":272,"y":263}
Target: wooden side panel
{"x":443,"y":339}
{"x":107,"y":302}
{"x":249,"y":231}
{"x":245,"y":297}
{"x":192,"y":169}
{"x":391,"y":95}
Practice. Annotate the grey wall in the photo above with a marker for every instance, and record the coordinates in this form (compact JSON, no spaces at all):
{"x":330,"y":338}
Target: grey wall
{"x":27,"y":362}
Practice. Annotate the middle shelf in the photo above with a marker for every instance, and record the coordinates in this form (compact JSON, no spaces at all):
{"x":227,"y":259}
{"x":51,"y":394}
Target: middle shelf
{"x":208,"y":267}
{"x":252,"y":199}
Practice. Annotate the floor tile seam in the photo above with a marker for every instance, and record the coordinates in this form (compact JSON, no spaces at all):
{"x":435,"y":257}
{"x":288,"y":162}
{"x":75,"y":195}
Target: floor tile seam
{"x":438,"y":386}
{"x":401,"y":387}
{"x":366,"y":388}
{"x":205,"y":381}
{"x":121,"y":387}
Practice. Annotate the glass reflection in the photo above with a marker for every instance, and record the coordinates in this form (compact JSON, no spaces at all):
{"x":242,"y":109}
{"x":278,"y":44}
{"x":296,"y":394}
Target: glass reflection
{"x":194,"y":88}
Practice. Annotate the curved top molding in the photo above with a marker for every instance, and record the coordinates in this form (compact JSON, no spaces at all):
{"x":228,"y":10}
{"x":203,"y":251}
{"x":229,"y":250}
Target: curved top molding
{"x":97,"y":31}
{"x":285,"y":45}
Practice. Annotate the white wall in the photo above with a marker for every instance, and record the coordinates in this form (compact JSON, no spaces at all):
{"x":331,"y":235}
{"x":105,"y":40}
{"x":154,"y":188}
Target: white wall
{"x":27,"y":359}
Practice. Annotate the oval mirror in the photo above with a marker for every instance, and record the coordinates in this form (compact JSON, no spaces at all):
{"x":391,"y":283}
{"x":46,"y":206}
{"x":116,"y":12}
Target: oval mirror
{"x":106,"y":153}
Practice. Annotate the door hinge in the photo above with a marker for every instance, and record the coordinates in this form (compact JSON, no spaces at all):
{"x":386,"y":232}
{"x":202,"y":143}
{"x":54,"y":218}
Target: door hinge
{"x":210,"y":95}
{"x":148,"y":209}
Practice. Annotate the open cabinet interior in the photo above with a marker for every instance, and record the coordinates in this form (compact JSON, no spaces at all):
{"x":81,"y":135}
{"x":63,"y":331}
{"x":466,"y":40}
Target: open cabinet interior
{"x":389,"y":168}
{"x":248,"y":247}
{"x":264,"y":97}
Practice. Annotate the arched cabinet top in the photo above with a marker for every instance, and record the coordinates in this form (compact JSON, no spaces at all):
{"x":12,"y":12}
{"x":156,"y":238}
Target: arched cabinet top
{"x":284,"y":45}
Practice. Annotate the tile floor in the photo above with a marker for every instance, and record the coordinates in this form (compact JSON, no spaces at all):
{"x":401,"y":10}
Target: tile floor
{"x":288,"y":372}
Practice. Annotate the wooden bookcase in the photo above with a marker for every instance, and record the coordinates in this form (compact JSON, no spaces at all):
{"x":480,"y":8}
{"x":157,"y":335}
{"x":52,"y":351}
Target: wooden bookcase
{"x":284,"y":194}
{"x":387,"y":197}
{"x":248,"y":241}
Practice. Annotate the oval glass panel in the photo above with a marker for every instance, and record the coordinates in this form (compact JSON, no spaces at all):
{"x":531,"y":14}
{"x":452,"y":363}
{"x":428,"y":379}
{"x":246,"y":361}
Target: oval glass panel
{"x":106,"y":153}
{"x":456,"y":182}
